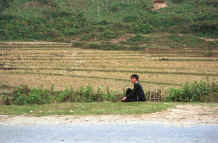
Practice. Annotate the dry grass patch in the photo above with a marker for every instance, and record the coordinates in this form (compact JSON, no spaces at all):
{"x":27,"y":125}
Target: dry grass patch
{"x":63,"y":66}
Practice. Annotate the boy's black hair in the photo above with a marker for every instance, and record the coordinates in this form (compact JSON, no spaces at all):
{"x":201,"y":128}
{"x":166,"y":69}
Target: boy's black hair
{"x":135,"y":76}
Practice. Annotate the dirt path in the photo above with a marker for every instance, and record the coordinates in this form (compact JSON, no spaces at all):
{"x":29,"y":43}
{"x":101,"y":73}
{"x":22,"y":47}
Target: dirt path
{"x":182,"y":114}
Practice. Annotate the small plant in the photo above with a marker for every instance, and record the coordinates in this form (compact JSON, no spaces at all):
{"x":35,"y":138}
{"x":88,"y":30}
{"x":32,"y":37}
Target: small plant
{"x":129,"y":19}
{"x":94,"y":46}
{"x":212,"y":3}
{"x":34,"y":97}
{"x":137,"y":39}
{"x":208,"y":27}
{"x":24,"y":95}
{"x":143,"y":28}
{"x":197,"y":91}
{"x":109,"y":35}
{"x":4,"y":4}
{"x":19,"y":94}
{"x":78,"y":44}
{"x":177,"y":1}
{"x":85,"y":93}
{"x":87,"y":37}
{"x":5,"y":99}
{"x":65,"y":95}
{"x":202,"y":91}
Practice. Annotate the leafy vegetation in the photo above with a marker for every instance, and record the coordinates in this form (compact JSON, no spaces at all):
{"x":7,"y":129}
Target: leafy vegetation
{"x":104,"y":20}
{"x":23,"y":95}
{"x":197,"y":91}
{"x":4,"y":4}
{"x":190,"y":92}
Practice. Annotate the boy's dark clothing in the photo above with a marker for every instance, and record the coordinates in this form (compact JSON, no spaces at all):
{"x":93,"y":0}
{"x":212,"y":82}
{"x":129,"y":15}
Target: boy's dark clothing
{"x":135,"y":94}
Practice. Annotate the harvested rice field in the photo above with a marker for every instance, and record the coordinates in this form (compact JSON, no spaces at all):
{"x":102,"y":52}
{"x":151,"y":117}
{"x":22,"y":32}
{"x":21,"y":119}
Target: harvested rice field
{"x":60,"y":64}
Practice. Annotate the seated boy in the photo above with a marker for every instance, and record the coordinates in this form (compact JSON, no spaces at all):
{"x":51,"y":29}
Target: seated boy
{"x":135,"y":94}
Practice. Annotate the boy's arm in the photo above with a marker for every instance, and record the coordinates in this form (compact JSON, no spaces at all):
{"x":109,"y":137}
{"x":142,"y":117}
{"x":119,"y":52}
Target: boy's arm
{"x":135,"y":89}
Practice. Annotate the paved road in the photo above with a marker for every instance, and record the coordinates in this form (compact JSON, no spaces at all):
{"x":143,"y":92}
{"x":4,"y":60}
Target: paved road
{"x":109,"y":133}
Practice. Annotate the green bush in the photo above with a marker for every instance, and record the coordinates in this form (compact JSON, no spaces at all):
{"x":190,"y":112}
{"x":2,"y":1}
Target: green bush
{"x":65,"y":96}
{"x":4,"y":4}
{"x":85,"y":93}
{"x":51,"y":3}
{"x":38,"y":96}
{"x":209,"y":28}
{"x":88,"y":36}
{"x":103,"y":22}
{"x":202,"y":91}
{"x":136,"y":39}
{"x":143,"y":28}
{"x":107,"y":35}
{"x":78,"y":44}
{"x":109,"y":95}
{"x":5,"y":99}
{"x":24,"y":95}
{"x":94,"y":46}
{"x":197,"y":91}
{"x":177,"y":1}
{"x":19,"y":95}
{"x":60,"y":20}
{"x":213,"y":3}
{"x":44,"y":1}
{"x":129,"y":19}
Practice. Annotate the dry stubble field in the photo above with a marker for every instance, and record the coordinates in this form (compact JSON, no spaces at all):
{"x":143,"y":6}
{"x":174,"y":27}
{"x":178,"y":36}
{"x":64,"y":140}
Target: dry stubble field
{"x":44,"y":64}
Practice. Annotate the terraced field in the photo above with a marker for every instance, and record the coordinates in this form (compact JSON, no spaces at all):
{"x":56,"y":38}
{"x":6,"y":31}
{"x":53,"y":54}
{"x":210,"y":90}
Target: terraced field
{"x":60,"y":64}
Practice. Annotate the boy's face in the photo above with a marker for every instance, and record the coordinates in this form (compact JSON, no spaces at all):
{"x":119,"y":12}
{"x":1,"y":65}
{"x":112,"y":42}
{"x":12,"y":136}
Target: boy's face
{"x":133,"y":80}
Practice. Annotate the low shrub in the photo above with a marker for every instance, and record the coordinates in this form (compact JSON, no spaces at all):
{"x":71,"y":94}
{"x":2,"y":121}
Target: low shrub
{"x":88,"y":36}
{"x":65,"y":95}
{"x":107,"y":35}
{"x":47,"y":2}
{"x":78,"y":44}
{"x":143,"y":28}
{"x":5,"y":100}
{"x":129,"y":19}
{"x":103,"y":22}
{"x":50,"y":19}
{"x":213,"y":3}
{"x":198,"y":91}
{"x":24,"y":95}
{"x":209,"y":28}
{"x":177,"y":1}
{"x":94,"y":46}
{"x":202,"y":91}
{"x":136,"y":39}
{"x":4,"y":4}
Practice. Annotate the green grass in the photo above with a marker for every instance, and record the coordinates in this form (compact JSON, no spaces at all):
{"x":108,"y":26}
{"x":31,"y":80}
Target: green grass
{"x":103,"y":108}
{"x":85,"y":108}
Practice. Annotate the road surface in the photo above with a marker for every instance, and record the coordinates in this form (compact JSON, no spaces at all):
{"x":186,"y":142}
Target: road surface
{"x":109,"y":133}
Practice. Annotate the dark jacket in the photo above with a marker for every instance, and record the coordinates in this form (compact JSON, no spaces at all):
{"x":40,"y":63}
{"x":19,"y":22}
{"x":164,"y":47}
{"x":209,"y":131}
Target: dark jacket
{"x":135,"y":94}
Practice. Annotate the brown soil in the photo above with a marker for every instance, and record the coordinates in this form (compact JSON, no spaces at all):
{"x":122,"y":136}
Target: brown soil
{"x":122,"y":38}
{"x":158,"y":4}
{"x":209,"y":39}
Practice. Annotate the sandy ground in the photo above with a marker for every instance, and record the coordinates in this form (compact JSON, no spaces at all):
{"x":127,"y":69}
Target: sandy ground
{"x":182,"y":114}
